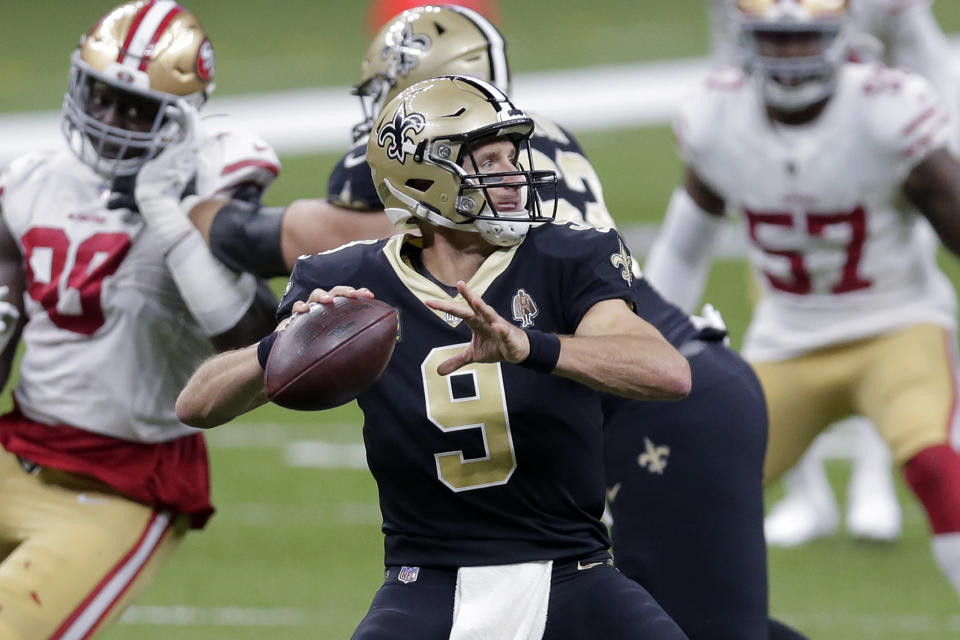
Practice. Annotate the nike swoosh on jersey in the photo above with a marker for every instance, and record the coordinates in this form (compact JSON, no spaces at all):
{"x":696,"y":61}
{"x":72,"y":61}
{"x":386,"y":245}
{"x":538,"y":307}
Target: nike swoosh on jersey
{"x":589,"y":565}
{"x":351,"y":160}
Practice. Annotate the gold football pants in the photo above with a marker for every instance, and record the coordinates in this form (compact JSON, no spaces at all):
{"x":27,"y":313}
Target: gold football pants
{"x":903,"y":381}
{"x":73,"y":553}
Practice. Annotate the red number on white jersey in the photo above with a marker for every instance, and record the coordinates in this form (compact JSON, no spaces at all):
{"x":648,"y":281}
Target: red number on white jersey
{"x":45,"y":253}
{"x":816,"y":224}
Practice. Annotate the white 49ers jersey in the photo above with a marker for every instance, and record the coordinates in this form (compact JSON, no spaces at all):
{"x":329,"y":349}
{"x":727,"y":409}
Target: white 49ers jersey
{"x":109,"y":342}
{"x":839,"y":252}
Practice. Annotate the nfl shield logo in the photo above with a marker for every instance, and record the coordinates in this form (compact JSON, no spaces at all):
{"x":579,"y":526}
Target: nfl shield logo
{"x":408,"y":574}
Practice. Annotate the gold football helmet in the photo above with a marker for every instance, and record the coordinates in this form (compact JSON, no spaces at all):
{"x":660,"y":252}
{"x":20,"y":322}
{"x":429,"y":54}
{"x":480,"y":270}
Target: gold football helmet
{"x":422,"y":137}
{"x":425,"y":42}
{"x":794,"y":48}
{"x":126,"y":77}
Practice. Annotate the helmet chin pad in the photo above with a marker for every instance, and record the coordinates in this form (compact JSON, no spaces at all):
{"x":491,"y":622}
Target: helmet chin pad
{"x":503,"y":233}
{"x":792,"y":98}
{"x":795,"y":58}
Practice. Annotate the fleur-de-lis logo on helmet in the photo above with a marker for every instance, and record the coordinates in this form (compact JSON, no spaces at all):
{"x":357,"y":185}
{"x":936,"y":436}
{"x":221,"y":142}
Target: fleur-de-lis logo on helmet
{"x":624,"y":261}
{"x":397,"y":131}
{"x":406,"y":50}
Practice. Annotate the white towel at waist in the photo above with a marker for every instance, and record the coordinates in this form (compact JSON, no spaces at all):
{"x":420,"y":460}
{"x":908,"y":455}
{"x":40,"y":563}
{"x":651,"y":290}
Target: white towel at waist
{"x":502,"y":602}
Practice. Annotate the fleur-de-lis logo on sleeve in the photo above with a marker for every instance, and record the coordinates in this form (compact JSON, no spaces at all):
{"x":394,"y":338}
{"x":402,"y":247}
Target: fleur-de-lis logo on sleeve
{"x":624,"y":261}
{"x":396,"y":134}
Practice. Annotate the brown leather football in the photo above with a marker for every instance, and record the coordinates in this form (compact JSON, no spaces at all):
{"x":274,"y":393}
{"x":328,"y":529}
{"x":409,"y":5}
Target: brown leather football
{"x":326,"y":356}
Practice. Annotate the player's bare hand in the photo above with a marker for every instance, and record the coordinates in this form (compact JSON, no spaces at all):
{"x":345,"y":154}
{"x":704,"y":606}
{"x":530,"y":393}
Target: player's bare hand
{"x":323,"y":296}
{"x":494,"y":339}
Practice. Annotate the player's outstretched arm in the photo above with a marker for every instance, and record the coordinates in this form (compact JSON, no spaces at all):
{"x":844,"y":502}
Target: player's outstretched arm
{"x":266,"y":241}
{"x":224,"y":387}
{"x":232,"y":383}
{"x":680,"y":258}
{"x":616,"y":351}
{"x":613,"y":349}
{"x":933,"y":186}
{"x":228,"y":306}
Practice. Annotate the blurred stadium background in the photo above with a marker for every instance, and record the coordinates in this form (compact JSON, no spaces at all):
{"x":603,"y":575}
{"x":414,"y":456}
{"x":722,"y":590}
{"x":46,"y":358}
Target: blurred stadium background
{"x":295,"y":550}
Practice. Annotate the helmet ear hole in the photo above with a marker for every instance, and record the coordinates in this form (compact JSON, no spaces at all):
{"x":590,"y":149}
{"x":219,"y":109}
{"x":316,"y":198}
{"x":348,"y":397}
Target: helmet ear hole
{"x":419,"y":184}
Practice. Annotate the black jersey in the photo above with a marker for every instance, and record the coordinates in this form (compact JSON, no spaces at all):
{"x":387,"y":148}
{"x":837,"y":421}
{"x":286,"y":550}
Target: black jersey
{"x":495,"y":463}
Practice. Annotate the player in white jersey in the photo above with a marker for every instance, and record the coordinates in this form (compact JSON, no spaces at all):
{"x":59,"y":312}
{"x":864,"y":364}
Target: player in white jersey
{"x":115,"y":303}
{"x":835,"y":168}
{"x":901,"y":33}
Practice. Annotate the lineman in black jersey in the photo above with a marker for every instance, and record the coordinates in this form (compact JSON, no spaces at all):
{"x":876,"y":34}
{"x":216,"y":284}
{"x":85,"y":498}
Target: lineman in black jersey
{"x":484,"y":434}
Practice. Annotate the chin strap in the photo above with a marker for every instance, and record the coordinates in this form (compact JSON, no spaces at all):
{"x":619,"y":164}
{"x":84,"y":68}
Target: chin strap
{"x":418,"y":210}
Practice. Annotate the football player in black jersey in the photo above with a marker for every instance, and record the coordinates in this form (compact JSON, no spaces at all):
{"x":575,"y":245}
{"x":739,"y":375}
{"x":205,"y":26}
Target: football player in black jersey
{"x":669,"y":465}
{"x":491,"y":498}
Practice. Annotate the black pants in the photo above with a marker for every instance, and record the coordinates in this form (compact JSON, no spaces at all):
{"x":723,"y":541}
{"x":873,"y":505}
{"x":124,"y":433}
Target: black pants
{"x":585,"y":604}
{"x":685,"y":482}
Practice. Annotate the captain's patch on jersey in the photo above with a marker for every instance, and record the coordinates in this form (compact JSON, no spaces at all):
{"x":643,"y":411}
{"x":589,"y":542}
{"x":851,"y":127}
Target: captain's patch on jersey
{"x":524,"y":309}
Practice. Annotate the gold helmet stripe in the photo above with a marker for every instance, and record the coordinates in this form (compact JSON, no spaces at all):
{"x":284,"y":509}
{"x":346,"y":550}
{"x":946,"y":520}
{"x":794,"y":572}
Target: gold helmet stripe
{"x":145,"y":30}
{"x":496,"y":47}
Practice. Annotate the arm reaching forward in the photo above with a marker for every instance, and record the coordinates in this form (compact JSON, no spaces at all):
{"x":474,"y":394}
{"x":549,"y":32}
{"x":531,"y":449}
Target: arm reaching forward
{"x":613,"y":350}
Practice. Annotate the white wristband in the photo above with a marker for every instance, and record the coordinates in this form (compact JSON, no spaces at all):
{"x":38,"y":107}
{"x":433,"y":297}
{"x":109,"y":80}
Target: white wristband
{"x":166,"y":219}
{"x":216,"y":296}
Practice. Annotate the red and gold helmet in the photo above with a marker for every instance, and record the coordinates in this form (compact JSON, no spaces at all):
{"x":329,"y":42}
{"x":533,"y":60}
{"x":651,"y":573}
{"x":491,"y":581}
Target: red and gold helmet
{"x":141,"y":58}
{"x":426,"y":42}
{"x":794,"y":48}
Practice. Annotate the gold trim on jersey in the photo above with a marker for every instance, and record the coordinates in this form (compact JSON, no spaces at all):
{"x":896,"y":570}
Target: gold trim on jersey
{"x":425,"y":289}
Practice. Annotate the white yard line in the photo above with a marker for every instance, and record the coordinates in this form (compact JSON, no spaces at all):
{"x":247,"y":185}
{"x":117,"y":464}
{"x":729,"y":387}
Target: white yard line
{"x":255,"y":514}
{"x":325,"y":455}
{"x":587,"y":99}
{"x":629,"y":95}
{"x":182,"y":615}
{"x":916,"y":625}
{"x":276,"y":435}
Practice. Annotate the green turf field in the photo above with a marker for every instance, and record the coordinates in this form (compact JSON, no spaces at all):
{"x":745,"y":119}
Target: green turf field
{"x":295,"y":550}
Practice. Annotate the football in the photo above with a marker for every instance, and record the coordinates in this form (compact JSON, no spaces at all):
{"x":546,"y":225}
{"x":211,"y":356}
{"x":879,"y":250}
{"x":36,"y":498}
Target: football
{"x":326,"y":356}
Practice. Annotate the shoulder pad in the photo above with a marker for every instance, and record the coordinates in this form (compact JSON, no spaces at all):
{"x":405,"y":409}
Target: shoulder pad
{"x":326,"y":270}
{"x":550,"y":130}
{"x":21,"y":168}
{"x":232,"y":159}
{"x":350,"y":184}
{"x":903,"y":113}
{"x":694,"y":123}
{"x":571,"y":240}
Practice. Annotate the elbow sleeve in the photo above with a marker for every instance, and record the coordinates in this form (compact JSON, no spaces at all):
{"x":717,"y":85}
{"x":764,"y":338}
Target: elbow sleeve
{"x":246,"y":237}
